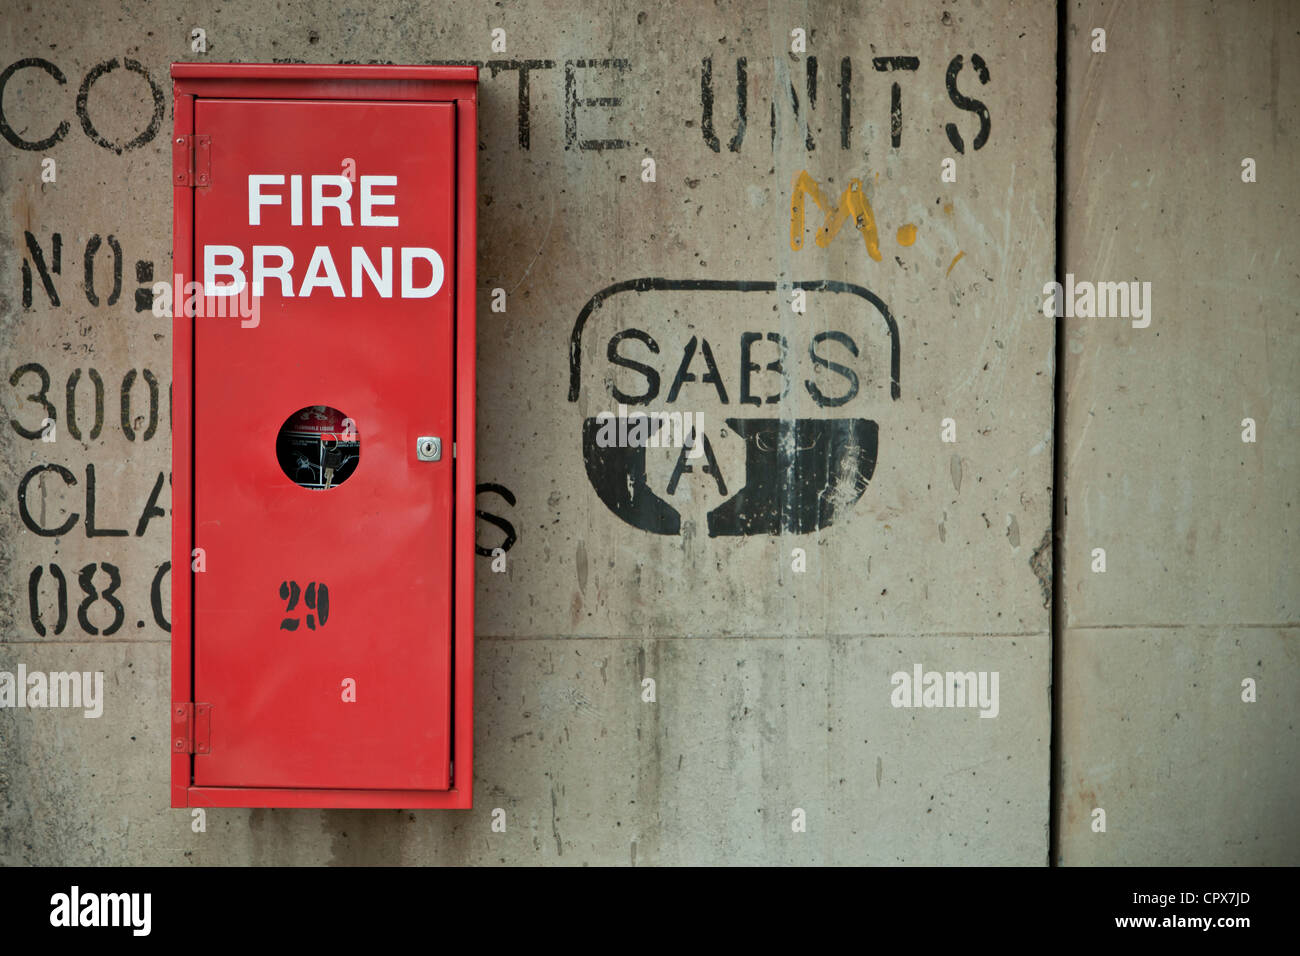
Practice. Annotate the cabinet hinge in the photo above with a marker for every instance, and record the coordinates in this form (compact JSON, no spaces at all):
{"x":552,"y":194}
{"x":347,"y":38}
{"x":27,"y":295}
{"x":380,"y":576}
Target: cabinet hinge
{"x":191,"y":728}
{"x":192,"y":160}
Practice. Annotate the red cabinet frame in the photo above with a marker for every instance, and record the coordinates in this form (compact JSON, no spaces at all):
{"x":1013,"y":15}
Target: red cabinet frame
{"x":190,"y":720}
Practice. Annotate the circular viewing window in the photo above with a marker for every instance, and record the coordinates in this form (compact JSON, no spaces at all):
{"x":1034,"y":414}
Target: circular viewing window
{"x":318,"y":447}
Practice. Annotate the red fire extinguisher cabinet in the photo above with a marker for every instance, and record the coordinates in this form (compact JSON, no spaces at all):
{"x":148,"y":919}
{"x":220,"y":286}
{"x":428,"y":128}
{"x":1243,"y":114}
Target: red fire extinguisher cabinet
{"x":323,"y":435}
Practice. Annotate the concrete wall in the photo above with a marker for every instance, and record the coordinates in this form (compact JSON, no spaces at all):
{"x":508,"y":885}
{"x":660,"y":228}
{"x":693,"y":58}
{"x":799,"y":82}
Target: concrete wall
{"x":773,"y":685}
{"x":1199,"y":527}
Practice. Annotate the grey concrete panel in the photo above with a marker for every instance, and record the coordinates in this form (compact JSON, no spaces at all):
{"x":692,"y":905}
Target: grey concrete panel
{"x":773,"y":683}
{"x":1198,"y":526}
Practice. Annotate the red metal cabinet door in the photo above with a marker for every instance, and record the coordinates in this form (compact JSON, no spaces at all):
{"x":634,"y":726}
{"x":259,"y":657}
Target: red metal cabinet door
{"x":381,"y":541}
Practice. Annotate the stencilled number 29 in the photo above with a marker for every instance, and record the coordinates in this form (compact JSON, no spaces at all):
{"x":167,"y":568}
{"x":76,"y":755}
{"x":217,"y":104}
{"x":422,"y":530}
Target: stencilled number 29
{"x":316,"y":597}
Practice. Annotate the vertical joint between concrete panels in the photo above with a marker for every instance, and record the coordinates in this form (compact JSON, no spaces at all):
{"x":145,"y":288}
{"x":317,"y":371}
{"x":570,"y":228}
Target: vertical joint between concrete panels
{"x":1058,"y":449}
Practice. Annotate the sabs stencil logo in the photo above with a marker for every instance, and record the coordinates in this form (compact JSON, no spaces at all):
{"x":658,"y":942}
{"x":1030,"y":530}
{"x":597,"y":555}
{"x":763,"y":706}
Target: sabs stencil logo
{"x":788,"y":374}
{"x":74,"y":908}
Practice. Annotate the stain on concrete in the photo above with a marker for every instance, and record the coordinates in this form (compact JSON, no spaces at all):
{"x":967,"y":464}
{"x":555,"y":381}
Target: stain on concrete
{"x":365,"y":837}
{"x":555,"y":822}
{"x":1041,"y":564}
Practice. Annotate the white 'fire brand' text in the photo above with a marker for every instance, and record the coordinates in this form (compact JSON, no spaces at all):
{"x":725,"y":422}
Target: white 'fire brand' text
{"x":224,"y":265}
